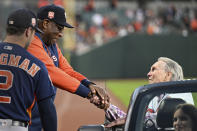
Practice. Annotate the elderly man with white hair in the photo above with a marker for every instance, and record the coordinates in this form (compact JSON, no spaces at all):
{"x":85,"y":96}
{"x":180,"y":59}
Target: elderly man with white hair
{"x":163,"y":70}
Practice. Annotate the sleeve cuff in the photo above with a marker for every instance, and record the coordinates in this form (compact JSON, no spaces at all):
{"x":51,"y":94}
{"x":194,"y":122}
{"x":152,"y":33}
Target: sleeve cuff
{"x":86,"y":82}
{"x":82,"y":91}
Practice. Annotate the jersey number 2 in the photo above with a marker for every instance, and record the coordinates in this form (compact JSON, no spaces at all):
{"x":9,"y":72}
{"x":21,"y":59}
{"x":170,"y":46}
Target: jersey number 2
{"x":6,"y":85}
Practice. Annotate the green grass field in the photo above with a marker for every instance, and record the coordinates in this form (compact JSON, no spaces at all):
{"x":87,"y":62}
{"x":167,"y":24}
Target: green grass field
{"x":124,"y":88}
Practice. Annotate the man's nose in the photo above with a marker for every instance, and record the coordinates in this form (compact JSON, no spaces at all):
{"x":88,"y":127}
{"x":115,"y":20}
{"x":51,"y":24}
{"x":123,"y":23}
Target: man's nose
{"x":149,"y":74}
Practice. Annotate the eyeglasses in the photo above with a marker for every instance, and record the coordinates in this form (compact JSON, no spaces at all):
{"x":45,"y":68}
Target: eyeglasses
{"x":59,"y":27}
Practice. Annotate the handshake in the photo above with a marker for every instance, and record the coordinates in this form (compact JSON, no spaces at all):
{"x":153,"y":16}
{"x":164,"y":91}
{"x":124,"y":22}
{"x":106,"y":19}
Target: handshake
{"x":98,"y":96}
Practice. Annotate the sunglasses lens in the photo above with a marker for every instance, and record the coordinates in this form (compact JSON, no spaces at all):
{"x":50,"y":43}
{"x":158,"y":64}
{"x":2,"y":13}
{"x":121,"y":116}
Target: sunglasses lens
{"x":60,"y":27}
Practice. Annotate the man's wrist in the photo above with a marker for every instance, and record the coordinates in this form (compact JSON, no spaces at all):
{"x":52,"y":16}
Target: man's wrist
{"x":83,"y":91}
{"x":89,"y":95}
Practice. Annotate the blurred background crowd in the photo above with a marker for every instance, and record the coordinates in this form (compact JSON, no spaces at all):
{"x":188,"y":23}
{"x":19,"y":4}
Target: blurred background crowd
{"x":99,"y":24}
{"x":100,"y":21}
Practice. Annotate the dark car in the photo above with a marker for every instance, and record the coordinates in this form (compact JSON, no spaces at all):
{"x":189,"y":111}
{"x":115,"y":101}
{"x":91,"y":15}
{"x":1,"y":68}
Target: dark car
{"x":139,"y":102}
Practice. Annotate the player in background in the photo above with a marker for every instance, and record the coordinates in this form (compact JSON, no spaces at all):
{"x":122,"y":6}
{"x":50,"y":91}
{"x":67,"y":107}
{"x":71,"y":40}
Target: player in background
{"x":23,"y":78}
{"x":52,"y":20}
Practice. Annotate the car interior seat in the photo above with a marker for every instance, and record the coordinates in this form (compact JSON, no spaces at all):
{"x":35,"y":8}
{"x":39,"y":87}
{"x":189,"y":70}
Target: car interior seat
{"x":165,"y":113}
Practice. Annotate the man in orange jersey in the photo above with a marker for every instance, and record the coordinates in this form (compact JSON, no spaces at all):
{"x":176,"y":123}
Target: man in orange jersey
{"x":52,"y":20}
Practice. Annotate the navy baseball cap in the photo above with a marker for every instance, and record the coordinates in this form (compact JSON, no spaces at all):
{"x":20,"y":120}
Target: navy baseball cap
{"x":23,"y":18}
{"x":54,"y":13}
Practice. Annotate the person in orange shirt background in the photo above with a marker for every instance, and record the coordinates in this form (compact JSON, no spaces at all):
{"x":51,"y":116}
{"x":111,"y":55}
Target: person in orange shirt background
{"x":52,"y":21}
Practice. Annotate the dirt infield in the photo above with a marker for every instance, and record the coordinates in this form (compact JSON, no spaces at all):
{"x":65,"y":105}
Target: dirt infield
{"x":74,"y":111}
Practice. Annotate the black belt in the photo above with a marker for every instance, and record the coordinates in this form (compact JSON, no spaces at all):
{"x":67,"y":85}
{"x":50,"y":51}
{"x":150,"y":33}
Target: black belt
{"x":9,"y":122}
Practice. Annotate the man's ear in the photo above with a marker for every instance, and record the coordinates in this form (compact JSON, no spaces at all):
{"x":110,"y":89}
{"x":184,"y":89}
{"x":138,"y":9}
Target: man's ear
{"x":168,"y":76}
{"x":45,"y":24}
{"x":28,"y":31}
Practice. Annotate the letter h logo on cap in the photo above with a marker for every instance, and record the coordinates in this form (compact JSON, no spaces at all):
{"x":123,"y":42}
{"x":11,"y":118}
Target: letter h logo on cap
{"x":51,"y":14}
{"x":33,"y":22}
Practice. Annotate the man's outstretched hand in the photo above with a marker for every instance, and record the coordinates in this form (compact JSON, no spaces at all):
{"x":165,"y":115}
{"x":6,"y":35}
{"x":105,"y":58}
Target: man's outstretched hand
{"x":99,"y":97}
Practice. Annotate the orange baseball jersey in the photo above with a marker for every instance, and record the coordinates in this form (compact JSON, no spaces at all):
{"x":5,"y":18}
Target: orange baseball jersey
{"x":62,"y":74}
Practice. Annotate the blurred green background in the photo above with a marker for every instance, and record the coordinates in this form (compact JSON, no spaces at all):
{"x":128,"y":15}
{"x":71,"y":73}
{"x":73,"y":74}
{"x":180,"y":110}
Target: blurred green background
{"x":124,"y":88}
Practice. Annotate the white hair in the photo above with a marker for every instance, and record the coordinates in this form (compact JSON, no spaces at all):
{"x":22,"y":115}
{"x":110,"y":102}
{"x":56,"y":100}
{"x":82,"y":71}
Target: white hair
{"x":173,"y":67}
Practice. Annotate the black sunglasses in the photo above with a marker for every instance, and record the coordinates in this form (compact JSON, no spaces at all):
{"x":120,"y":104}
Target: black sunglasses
{"x":59,"y":27}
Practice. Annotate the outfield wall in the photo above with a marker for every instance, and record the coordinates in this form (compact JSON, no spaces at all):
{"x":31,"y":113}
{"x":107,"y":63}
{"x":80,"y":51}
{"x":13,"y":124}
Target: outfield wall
{"x":132,"y":56}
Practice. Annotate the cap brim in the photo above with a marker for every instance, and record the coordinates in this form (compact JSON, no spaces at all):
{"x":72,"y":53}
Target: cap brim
{"x":63,"y":23}
{"x":68,"y":25}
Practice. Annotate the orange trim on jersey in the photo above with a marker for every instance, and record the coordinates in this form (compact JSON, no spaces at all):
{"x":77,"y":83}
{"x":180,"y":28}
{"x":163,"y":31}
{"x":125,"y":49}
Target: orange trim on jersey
{"x":63,"y":77}
{"x":30,"y":109}
{"x":5,"y":99}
